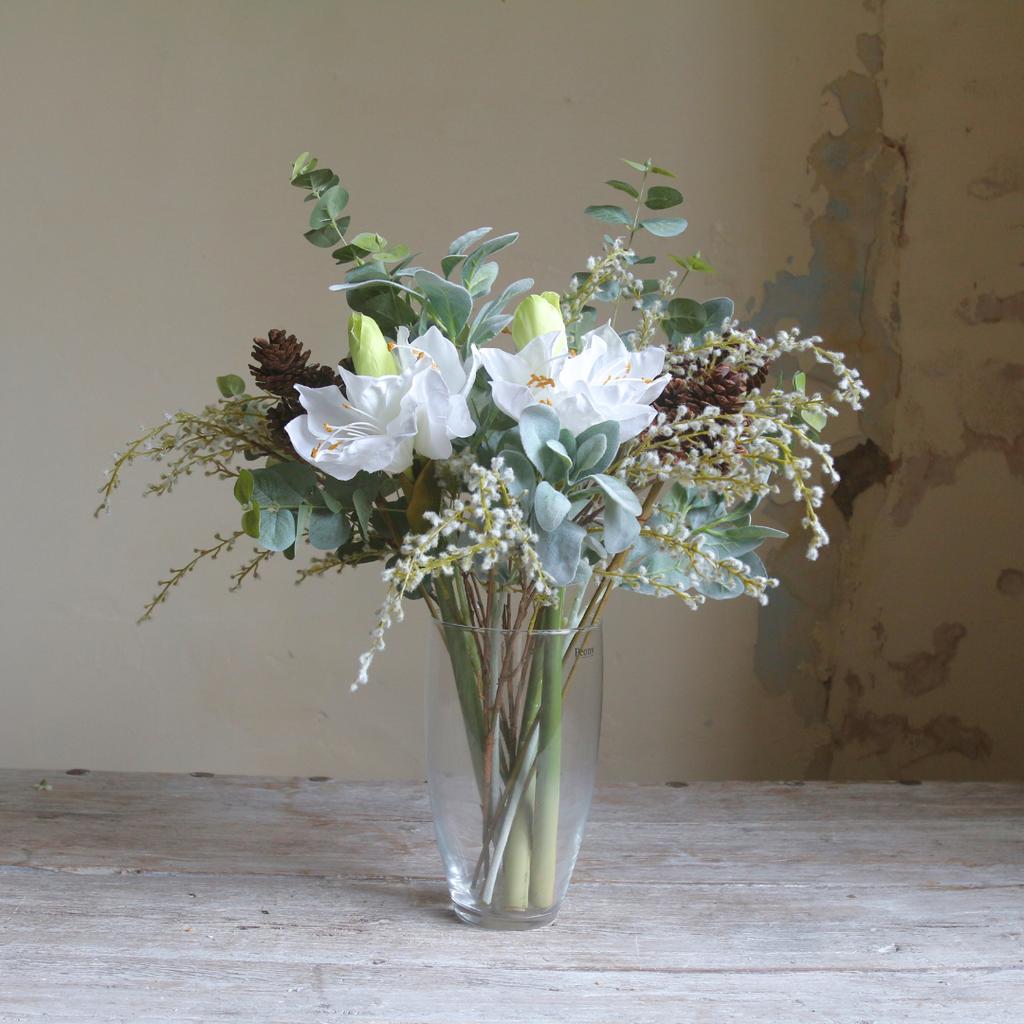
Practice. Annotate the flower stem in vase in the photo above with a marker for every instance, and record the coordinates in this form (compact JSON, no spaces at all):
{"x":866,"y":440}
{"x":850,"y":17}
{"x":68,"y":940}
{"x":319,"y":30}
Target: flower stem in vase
{"x":518,"y":851}
{"x":465,"y":661}
{"x":549,"y":768}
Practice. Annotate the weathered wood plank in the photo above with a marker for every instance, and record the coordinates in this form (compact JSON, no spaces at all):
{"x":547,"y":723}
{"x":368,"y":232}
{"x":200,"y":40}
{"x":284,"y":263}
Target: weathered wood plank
{"x":301,"y":994}
{"x":142,"y":897}
{"x":638,"y":927}
{"x":935,"y":832}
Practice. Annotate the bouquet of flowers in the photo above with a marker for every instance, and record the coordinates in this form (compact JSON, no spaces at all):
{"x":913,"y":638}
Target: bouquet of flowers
{"x":510,"y":470}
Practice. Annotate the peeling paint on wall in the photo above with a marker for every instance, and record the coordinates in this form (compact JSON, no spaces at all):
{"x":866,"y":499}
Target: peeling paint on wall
{"x":920,"y":472}
{"x":924,"y":671}
{"x":865,"y":175}
{"x":992,"y":309}
{"x":822,"y":638}
{"x":842,"y":297}
{"x":1006,"y":175}
{"x":892,"y":738}
{"x":859,"y":469}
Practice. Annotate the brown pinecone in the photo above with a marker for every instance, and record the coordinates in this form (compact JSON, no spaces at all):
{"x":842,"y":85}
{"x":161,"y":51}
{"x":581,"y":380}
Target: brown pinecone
{"x":756,"y":378}
{"x":282,"y":364}
{"x":278,"y":415}
{"x":719,"y":385}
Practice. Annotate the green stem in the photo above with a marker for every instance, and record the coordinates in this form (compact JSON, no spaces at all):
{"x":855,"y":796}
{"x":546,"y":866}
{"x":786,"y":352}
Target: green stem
{"x":465,"y":661}
{"x":518,"y":782}
{"x":517,"y":857}
{"x":549,"y":768}
{"x":632,"y":231}
{"x":493,"y":702}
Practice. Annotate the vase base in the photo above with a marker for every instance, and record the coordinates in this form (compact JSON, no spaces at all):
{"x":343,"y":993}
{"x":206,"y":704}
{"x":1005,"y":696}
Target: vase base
{"x":506,"y":920}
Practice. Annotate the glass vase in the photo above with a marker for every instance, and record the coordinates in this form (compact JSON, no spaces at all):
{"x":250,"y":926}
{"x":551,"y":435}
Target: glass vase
{"x":513,"y":722}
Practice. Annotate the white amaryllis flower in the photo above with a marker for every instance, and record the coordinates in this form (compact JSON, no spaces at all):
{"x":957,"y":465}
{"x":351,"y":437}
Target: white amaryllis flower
{"x":605,"y":381}
{"x":370,"y":426}
{"x":442,"y":390}
{"x":378,"y":423}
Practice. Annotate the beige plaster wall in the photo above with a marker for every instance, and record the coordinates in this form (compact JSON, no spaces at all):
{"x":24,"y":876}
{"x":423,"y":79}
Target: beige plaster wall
{"x":149,"y":233}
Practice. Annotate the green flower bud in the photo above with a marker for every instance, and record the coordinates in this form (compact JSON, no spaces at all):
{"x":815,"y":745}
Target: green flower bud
{"x":369,"y":348}
{"x":537,"y":315}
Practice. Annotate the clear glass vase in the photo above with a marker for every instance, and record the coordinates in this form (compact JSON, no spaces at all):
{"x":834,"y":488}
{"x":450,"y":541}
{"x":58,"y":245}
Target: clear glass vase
{"x":513,"y":723}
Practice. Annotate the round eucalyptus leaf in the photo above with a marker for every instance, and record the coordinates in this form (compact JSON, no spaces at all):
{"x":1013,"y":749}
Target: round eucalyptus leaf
{"x":685,"y":316}
{"x":662,"y":197}
{"x":664,"y":227}
{"x":609,"y":214}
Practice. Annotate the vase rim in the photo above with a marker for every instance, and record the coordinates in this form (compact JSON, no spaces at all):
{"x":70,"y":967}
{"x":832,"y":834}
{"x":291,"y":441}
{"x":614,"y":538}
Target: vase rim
{"x":567,"y":631}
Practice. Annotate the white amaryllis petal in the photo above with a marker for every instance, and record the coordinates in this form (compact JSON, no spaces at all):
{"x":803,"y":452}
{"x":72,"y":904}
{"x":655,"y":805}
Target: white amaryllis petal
{"x":605,"y":381}
{"x":443,"y":382}
{"x":371,"y":427}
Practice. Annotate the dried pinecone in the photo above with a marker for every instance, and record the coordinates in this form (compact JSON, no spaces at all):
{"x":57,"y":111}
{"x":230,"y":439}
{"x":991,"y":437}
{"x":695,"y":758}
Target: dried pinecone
{"x":718,"y":385}
{"x":278,"y":415}
{"x":759,"y":376}
{"x":282,"y":364}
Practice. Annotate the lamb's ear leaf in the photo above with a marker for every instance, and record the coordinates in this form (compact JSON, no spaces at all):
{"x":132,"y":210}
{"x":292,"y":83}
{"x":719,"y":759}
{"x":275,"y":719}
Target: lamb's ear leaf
{"x":461,"y":245}
{"x":620,"y":529}
{"x":590,"y":452}
{"x":618,"y":493}
{"x":538,"y":424}
{"x":610,"y":430}
{"x":525,"y":477}
{"x":549,"y":506}
{"x":450,"y":304}
{"x":740,"y":540}
{"x":559,"y":551}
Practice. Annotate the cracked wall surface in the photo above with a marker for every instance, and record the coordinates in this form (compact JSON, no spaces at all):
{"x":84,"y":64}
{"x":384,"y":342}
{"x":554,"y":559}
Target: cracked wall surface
{"x":905,"y":657}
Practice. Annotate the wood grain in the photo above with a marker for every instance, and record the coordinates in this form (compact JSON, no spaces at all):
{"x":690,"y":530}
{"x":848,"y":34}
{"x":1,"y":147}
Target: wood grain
{"x":172,"y":898}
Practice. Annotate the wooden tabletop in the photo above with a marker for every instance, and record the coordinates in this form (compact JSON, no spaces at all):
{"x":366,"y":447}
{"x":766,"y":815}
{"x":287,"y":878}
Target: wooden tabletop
{"x":143,"y":897}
